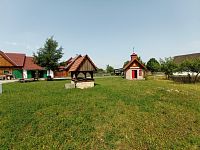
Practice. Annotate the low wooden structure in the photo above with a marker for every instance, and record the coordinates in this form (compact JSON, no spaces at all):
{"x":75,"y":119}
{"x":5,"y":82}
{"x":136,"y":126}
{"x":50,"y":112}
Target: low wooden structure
{"x":82,"y":70}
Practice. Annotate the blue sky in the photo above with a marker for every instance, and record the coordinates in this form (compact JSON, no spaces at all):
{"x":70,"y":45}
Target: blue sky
{"x":106,"y":30}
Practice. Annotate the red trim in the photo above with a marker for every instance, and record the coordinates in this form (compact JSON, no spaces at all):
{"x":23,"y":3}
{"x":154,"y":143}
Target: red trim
{"x":140,"y":72}
{"x":133,"y":74}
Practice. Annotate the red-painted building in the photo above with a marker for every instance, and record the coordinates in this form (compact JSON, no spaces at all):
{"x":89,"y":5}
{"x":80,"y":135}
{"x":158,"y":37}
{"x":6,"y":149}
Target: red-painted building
{"x":134,"y":70}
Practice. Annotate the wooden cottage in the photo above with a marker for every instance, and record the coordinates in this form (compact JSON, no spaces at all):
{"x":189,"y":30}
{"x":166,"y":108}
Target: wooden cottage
{"x":81,"y":69}
{"x":18,"y":66}
{"x":134,"y":70}
{"x":77,"y":67}
{"x":81,"y":65}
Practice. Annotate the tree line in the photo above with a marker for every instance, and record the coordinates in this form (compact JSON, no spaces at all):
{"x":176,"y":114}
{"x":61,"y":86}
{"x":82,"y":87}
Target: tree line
{"x":168,"y":66}
{"x":49,"y":55}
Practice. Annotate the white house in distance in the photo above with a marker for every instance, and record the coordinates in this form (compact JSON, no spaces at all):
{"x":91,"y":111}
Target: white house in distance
{"x":181,"y":58}
{"x":134,"y":70}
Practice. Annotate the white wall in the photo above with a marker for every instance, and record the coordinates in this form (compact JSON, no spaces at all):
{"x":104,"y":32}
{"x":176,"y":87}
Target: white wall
{"x":184,"y":73}
{"x":129,"y":74}
{"x":25,"y":74}
{"x":51,"y":73}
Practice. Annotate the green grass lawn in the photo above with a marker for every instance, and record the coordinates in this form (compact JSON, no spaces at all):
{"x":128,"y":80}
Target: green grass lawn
{"x":115,"y":114}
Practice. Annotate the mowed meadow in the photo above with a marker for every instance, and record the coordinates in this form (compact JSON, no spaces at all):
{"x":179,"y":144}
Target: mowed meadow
{"x":115,"y":114}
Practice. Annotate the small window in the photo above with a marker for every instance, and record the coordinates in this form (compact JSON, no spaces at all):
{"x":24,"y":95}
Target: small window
{"x":140,"y":73}
{"x":6,"y":72}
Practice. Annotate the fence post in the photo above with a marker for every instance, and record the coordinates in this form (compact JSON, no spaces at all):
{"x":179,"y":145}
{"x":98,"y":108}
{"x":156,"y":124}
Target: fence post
{"x":1,"y":90}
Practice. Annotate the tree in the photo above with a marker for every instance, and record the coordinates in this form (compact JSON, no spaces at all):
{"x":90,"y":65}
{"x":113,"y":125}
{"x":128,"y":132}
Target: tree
{"x":63,"y":63}
{"x":125,"y":63}
{"x":191,"y":66}
{"x":49,"y":55}
{"x":168,"y":66}
{"x":153,"y":65}
{"x":139,"y":59}
{"x":100,"y":70}
{"x":109,"y":69}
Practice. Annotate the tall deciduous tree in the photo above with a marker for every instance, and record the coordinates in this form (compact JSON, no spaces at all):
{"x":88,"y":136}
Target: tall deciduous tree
{"x":168,"y":66}
{"x":153,"y":65}
{"x":49,"y":55}
{"x":109,"y":69}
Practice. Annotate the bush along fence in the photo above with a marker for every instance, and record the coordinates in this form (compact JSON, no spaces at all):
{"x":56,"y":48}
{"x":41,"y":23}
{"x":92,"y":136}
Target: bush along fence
{"x":185,"y":79}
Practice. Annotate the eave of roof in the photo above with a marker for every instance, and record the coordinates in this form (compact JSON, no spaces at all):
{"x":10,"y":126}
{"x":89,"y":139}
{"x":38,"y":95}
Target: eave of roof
{"x":17,"y":58}
{"x":180,"y":58}
{"x":130,"y":62}
{"x":7,"y":58}
{"x":76,"y":65}
{"x":30,"y":65}
{"x":72,"y":62}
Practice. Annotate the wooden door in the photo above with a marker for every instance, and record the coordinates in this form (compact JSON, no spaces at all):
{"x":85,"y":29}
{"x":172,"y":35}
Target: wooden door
{"x":134,"y":74}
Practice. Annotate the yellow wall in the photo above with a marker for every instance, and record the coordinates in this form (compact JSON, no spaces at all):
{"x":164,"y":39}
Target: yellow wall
{"x":4,"y":62}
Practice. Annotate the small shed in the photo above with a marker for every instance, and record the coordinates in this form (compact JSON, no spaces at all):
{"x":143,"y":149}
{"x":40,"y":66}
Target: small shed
{"x":82,"y":71}
{"x":84,"y":65}
{"x":134,"y":70}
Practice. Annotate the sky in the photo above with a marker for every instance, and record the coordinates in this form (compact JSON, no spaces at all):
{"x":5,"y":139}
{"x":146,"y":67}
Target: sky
{"x":106,"y":30}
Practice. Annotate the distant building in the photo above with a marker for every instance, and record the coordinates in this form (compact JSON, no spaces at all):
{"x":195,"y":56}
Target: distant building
{"x":181,"y":58}
{"x":119,"y":71}
{"x":73,"y":66}
{"x":17,"y":65}
{"x":134,"y":70}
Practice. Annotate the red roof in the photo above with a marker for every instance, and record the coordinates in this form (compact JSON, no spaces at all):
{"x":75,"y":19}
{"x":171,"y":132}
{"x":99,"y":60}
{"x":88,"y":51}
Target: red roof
{"x":61,"y":67}
{"x":30,"y":65}
{"x":77,"y":63}
{"x":134,"y":54}
{"x":71,"y":61}
{"x":18,"y":59}
{"x":135,"y":60}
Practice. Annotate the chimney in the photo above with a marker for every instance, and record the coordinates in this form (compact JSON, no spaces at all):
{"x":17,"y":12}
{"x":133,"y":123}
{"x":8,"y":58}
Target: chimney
{"x":134,"y":56}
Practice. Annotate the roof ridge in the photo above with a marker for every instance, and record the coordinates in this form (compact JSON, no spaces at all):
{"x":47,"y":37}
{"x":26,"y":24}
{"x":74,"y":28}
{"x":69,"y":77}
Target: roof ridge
{"x":131,"y":61}
{"x":187,"y":54}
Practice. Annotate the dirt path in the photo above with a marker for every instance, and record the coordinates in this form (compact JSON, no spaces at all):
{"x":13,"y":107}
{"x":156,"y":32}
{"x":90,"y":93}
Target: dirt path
{"x":8,"y":81}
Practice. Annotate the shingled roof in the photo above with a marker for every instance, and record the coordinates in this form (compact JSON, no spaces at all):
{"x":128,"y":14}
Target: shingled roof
{"x":18,"y":59}
{"x":78,"y":61}
{"x":132,"y":61}
{"x":180,"y":58}
{"x":30,"y":65}
{"x":21,"y":60}
{"x":71,"y":61}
